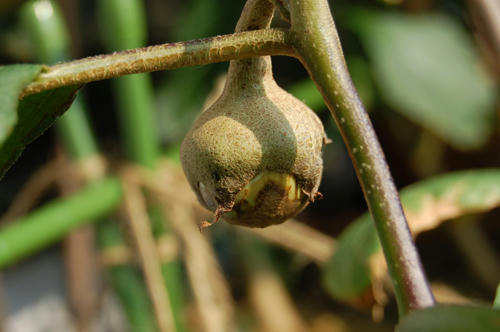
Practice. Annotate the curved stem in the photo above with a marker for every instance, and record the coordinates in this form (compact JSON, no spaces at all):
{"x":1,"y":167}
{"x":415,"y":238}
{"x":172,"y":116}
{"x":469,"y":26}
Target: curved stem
{"x":318,"y":47}
{"x":246,"y":73}
{"x":161,"y":57}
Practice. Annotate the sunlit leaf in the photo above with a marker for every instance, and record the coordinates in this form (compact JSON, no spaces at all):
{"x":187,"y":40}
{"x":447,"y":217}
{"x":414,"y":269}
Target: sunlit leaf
{"x":427,"y":204}
{"x":13,"y":79}
{"x":35,"y":114}
{"x":427,"y":68}
{"x":347,"y":274}
{"x":496,"y":303}
{"x":307,"y":92}
{"x":445,"y":318}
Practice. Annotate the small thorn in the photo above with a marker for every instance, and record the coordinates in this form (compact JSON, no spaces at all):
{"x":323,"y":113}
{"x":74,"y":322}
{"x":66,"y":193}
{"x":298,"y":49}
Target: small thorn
{"x":317,"y":196}
{"x":218,"y":213}
{"x":204,"y":224}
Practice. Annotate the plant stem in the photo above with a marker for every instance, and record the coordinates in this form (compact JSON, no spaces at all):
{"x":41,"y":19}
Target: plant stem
{"x":50,"y":40}
{"x":485,"y":16}
{"x":127,"y":282}
{"x":490,"y":10}
{"x":299,"y":238}
{"x":161,"y":57}
{"x":134,"y":96}
{"x":138,"y":220}
{"x":319,"y":49}
{"x":242,"y":74}
{"x":52,"y":44}
{"x":123,"y":26}
{"x":51,"y":222}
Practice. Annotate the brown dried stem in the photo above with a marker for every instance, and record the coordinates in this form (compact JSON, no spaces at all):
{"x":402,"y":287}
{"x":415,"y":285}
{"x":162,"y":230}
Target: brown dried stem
{"x":299,"y":238}
{"x":79,"y":255}
{"x":38,"y":183}
{"x":210,"y":289}
{"x":486,"y":18}
{"x":273,"y":305}
{"x":138,"y":219}
{"x":171,"y":185}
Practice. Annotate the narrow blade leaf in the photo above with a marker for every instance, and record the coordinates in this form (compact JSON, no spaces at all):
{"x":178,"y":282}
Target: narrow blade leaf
{"x":496,"y":302}
{"x":445,"y":318}
{"x":427,"y":204}
{"x":13,"y":79}
{"x":35,"y":114}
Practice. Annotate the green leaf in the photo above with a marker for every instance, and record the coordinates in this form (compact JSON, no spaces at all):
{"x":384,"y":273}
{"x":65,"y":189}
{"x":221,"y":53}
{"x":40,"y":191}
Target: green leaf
{"x":427,"y":204}
{"x":496,"y":302}
{"x":427,"y":68}
{"x":446,"y":318}
{"x":347,"y":274}
{"x":36,"y":113}
{"x":13,"y":79}
{"x":307,"y":92}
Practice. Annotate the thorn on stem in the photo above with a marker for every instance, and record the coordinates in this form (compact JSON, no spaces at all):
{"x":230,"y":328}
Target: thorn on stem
{"x":218,"y":213}
{"x":317,"y":196}
{"x":313,"y":197}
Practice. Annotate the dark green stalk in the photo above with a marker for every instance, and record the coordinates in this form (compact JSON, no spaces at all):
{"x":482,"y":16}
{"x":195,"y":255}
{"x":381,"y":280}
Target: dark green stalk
{"x":135,"y":104}
{"x":51,"y":222}
{"x":124,"y":27}
{"x":319,"y":49}
{"x":129,"y":287}
{"x":173,"y":275}
{"x":51,"y":45}
{"x":127,"y":282}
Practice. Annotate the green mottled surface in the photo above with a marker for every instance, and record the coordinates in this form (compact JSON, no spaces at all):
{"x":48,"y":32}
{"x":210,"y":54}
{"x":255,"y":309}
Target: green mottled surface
{"x":254,"y":127}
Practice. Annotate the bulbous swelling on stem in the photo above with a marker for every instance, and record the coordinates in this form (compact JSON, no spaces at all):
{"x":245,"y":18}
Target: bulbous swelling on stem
{"x":254,"y":156}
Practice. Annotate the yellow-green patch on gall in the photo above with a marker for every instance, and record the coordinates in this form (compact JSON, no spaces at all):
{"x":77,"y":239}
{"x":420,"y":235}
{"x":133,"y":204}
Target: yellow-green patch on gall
{"x":270,"y":198}
{"x":251,"y":191}
{"x":254,"y":156}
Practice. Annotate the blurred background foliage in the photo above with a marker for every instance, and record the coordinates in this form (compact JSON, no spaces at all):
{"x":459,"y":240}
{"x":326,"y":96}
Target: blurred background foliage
{"x":425,"y":73}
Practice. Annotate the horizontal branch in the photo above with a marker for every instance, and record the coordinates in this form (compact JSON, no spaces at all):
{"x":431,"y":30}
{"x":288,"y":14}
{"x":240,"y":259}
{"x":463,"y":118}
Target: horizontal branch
{"x":161,"y":57}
